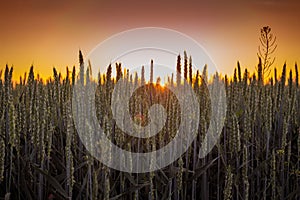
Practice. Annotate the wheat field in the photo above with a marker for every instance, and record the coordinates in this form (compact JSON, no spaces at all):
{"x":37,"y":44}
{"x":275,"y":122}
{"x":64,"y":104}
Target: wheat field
{"x":256,"y":157}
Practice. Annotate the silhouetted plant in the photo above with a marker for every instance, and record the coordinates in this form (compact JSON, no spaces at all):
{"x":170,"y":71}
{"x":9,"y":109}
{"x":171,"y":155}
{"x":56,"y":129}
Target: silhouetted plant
{"x":265,"y":50}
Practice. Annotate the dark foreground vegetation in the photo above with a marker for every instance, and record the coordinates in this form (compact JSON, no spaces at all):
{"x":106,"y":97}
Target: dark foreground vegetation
{"x":257,"y":156}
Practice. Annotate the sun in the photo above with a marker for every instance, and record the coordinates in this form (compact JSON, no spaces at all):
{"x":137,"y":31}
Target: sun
{"x":162,"y":84}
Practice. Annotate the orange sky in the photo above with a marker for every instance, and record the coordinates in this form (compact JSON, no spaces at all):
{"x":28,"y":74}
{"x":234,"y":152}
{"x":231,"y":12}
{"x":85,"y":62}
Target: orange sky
{"x":49,"y":33}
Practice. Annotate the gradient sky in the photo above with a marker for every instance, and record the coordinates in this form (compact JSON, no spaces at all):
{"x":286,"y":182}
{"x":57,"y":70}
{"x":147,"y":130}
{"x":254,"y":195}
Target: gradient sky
{"x":49,"y":33}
